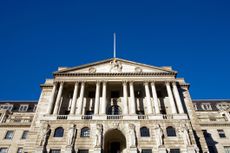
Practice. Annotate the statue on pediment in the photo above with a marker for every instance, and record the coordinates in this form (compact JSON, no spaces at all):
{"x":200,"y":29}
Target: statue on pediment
{"x":45,"y":132}
{"x":98,"y":135}
{"x":185,"y":134}
{"x":71,"y":135}
{"x":115,"y":66}
{"x":159,"y":135}
{"x":132,"y":136}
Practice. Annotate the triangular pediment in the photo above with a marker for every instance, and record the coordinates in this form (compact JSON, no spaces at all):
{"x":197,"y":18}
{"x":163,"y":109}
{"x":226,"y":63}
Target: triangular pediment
{"x":116,"y":65}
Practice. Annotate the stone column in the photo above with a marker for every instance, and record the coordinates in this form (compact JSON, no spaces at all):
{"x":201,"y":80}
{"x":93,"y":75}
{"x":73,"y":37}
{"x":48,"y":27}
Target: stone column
{"x":103,"y":104}
{"x":74,"y":99}
{"x":177,"y":97}
{"x":132,"y":99}
{"x":155,"y":99}
{"x":148,"y":100}
{"x":52,"y":99}
{"x":171,"y":100}
{"x":97,"y":99}
{"x":81,"y":99}
{"x":125,"y":97}
{"x":57,"y":104}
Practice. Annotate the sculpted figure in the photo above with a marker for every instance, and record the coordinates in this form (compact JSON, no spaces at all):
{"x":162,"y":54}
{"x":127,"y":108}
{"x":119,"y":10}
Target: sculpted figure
{"x":132,"y":135}
{"x":185,"y":135}
{"x":45,"y":131}
{"x":116,"y":65}
{"x":98,"y":135}
{"x":71,"y":135}
{"x":159,"y":135}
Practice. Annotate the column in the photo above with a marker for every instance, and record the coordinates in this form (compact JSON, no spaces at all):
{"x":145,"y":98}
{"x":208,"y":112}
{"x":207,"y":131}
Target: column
{"x":81,"y":99}
{"x":103,"y":104}
{"x":132,"y":99}
{"x":52,"y":99}
{"x":148,"y":100}
{"x":57,"y":104}
{"x":155,"y":99}
{"x":74,"y":99}
{"x":171,"y":100}
{"x":125,"y":99}
{"x":177,"y":97}
{"x":97,"y":99}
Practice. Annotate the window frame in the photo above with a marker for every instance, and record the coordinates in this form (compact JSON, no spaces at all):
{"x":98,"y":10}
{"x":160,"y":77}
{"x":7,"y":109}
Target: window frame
{"x":23,"y":108}
{"x":57,"y":134}
{"x":7,"y":149}
{"x":25,"y":132}
{"x":6,"y":137}
{"x":174,"y":150}
{"x":171,"y":131}
{"x":19,"y":150}
{"x":144,"y":132}
{"x":55,"y":151}
{"x":221,"y":133}
{"x":85,"y":133}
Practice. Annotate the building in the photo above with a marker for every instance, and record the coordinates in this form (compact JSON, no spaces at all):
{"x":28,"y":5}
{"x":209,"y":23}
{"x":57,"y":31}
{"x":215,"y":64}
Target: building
{"x":115,"y":106}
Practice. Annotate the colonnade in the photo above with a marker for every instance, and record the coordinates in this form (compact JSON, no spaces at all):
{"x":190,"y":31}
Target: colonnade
{"x":128,"y":103}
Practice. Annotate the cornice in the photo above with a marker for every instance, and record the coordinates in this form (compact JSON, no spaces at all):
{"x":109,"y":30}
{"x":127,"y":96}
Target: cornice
{"x":116,"y":74}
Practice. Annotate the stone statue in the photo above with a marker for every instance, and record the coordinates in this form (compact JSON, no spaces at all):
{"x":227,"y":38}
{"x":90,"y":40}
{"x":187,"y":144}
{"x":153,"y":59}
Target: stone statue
{"x":159,"y":135}
{"x":71,"y":135}
{"x":98,"y":135}
{"x":185,"y":134}
{"x":45,"y":131}
{"x":116,"y":66}
{"x":132,"y":136}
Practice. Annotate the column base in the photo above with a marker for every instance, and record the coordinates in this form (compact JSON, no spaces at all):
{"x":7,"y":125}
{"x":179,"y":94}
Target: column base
{"x":162,"y":149}
{"x":69,"y":149}
{"x":133,"y":150}
{"x":39,"y":149}
{"x":97,"y":150}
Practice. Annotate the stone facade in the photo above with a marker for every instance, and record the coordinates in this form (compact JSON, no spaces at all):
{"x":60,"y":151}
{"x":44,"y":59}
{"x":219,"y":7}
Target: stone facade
{"x":111,"y":106}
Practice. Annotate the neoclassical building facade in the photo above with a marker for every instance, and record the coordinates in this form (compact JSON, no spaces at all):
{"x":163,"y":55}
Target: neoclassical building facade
{"x":112,"y":106}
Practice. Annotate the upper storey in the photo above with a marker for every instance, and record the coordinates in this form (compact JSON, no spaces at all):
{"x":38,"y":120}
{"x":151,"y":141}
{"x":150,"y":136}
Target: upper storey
{"x":115,"y":66}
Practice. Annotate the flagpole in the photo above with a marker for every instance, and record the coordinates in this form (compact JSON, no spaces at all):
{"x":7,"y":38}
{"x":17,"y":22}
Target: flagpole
{"x":114,"y":45}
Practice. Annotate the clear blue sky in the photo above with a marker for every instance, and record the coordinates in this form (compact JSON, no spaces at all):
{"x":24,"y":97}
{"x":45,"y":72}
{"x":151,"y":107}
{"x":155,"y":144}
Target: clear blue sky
{"x":192,"y":36}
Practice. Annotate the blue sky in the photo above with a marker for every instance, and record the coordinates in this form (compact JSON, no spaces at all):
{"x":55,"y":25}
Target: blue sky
{"x":192,"y":36}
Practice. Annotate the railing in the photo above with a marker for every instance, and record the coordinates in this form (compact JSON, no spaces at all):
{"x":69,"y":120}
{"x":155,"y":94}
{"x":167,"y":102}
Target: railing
{"x":142,"y":117}
{"x":166,"y":116}
{"x":114,"y":117}
{"x":86,"y":117}
{"x":62,"y":117}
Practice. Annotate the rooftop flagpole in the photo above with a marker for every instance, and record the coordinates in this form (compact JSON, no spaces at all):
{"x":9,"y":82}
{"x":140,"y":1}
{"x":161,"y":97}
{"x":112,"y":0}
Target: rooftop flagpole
{"x":114,"y":45}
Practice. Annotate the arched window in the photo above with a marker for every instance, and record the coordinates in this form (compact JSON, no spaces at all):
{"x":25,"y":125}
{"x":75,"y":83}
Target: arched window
{"x":85,"y":132}
{"x":114,"y":110}
{"x":144,"y":132}
{"x":59,"y":132}
{"x":171,"y":132}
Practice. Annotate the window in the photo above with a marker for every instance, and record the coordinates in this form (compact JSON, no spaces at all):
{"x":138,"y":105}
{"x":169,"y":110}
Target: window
{"x":9,"y":135}
{"x":3,"y":150}
{"x":6,"y":107}
{"x":174,"y":150}
{"x":24,"y":134}
{"x":23,"y":108}
{"x":144,"y":132}
{"x":221,"y":133}
{"x":83,"y":151}
{"x":115,"y":110}
{"x":171,"y":132}
{"x":55,"y":150}
{"x":85,"y":132}
{"x":146,"y":151}
{"x":206,"y":106}
{"x":19,"y":150}
{"x":227,"y":149}
{"x":59,"y":132}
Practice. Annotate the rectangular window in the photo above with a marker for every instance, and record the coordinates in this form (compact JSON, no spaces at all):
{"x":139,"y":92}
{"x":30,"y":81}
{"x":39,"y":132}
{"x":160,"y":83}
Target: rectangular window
{"x":23,"y":108}
{"x":174,"y":150}
{"x":24,"y":134}
{"x":20,"y":150}
{"x":221,"y":133}
{"x":55,"y":151}
{"x":146,"y":151}
{"x":227,"y":149}
{"x":83,"y":151}
{"x":9,"y":135}
{"x":3,"y":150}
